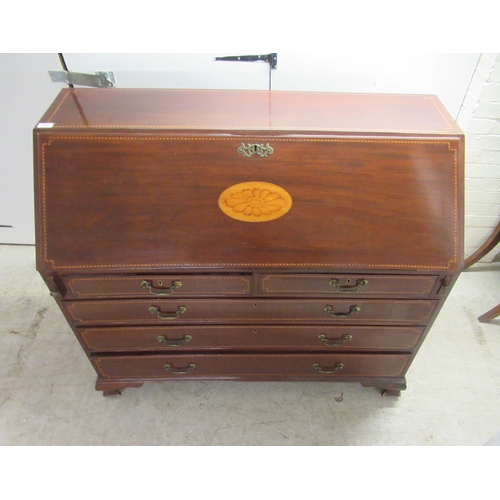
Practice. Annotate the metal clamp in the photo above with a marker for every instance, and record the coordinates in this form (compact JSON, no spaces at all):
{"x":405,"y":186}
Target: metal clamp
{"x":271,"y":59}
{"x":101,"y":79}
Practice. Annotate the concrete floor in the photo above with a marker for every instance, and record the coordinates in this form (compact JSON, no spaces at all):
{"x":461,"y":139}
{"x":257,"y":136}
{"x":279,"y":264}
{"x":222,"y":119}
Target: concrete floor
{"x":47,"y":394}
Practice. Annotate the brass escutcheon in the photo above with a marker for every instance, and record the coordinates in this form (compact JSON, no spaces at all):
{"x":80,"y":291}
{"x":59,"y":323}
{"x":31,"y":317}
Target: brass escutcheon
{"x":249,"y":150}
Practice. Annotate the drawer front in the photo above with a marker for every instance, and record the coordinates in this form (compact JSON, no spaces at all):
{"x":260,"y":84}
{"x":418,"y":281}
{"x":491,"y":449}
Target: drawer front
{"x":234,"y":366}
{"x":250,"y":311}
{"x":257,"y":337}
{"x":85,"y":287}
{"x":331,"y":284}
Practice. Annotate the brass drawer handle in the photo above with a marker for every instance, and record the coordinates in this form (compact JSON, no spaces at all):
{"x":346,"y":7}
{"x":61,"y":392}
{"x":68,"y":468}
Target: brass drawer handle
{"x":352,"y":310}
{"x":179,"y":371}
{"x":332,"y":342}
{"x":334,"y":369}
{"x":148,"y":285}
{"x":161,"y":315}
{"x":347,"y":289}
{"x":173,"y":343}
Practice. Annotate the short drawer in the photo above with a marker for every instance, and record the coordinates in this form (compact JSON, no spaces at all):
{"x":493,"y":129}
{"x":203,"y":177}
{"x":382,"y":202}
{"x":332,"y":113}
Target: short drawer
{"x":250,"y":337}
{"x":250,"y":311}
{"x":87,"y":287}
{"x":332,"y":284}
{"x":260,"y":366}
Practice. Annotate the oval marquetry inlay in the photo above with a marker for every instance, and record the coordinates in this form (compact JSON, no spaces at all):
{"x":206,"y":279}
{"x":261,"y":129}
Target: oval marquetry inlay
{"x":255,"y":201}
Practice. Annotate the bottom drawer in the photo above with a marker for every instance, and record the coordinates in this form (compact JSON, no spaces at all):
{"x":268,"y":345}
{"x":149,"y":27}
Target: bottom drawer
{"x":248,"y":366}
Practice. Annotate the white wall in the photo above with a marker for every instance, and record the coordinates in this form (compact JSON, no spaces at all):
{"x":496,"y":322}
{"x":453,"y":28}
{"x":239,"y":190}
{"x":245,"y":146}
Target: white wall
{"x":479,"y":118}
{"x":26,"y":91}
{"x":446,"y":75}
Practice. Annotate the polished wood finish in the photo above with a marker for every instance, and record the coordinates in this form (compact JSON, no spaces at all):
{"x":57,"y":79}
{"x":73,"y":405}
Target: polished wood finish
{"x":261,"y":367}
{"x":417,"y":312}
{"x":253,"y":235}
{"x":347,"y":284}
{"x":88,"y":287}
{"x":172,"y":204}
{"x":324,"y":338}
{"x":242,"y":111}
{"x":489,"y":315}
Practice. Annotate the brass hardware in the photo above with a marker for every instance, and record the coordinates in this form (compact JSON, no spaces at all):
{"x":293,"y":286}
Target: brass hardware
{"x":332,"y":342}
{"x":175,"y":315}
{"x":174,"y":343}
{"x":249,"y":150}
{"x":352,"y":310}
{"x":179,"y":371}
{"x":347,"y":289}
{"x":334,"y":369}
{"x":160,"y":291}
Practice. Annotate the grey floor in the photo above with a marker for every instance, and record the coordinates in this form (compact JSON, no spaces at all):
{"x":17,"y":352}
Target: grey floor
{"x":47,"y":394}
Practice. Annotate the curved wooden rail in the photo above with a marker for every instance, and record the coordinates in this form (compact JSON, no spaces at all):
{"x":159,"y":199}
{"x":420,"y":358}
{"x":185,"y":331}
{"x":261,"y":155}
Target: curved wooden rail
{"x":484,"y":249}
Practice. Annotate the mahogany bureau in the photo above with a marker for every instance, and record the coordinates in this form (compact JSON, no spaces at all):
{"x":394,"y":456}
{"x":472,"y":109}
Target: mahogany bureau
{"x":248,"y":235}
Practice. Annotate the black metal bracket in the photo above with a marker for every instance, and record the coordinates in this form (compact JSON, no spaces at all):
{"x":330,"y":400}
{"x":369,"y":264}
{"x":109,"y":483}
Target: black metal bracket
{"x":271,"y":59}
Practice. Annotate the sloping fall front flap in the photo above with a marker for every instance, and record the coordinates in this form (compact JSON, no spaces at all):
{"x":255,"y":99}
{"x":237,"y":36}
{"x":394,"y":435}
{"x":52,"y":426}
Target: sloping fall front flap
{"x":157,"y":201}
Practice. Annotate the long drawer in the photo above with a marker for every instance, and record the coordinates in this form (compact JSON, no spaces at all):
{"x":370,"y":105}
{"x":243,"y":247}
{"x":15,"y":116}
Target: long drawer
{"x":260,"y":366}
{"x":330,"y":284}
{"x":251,"y":337}
{"x":88,"y":287}
{"x":251,"y":310}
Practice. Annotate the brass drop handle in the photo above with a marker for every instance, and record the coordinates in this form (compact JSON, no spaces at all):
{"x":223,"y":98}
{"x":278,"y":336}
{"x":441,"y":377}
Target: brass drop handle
{"x":148,"y":285}
{"x":334,"y":369}
{"x":352,"y":310}
{"x":332,"y":342}
{"x":347,"y":289}
{"x":173,"y":343}
{"x":161,"y":315}
{"x":179,"y":371}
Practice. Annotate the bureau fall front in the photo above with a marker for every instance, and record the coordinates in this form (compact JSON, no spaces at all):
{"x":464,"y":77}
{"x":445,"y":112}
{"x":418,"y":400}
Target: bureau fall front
{"x":248,"y":235}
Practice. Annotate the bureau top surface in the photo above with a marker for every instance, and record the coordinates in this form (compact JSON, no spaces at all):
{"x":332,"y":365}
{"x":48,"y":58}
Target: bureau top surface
{"x":235,"y":110}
